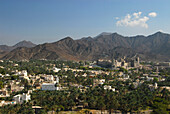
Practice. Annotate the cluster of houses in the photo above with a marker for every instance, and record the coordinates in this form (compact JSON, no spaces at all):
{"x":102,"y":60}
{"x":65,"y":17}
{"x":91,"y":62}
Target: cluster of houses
{"x":51,"y":82}
{"x":41,"y":81}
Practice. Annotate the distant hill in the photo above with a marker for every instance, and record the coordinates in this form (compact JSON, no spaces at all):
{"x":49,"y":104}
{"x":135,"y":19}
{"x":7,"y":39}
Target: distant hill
{"x":20,"y":44}
{"x":4,"y":49}
{"x":106,"y":45}
{"x":24,"y":43}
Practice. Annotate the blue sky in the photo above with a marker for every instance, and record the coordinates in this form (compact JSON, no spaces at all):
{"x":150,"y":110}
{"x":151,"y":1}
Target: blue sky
{"x":43,"y":21}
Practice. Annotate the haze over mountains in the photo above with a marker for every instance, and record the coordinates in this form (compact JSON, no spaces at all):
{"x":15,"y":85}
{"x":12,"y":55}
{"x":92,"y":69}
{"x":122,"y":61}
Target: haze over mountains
{"x":106,"y":45}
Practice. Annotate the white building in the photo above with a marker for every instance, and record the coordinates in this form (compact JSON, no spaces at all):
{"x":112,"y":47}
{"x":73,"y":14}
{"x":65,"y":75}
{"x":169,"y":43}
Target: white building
{"x":3,"y":103}
{"x":56,"y":69}
{"x":7,"y":75}
{"x":56,"y":79}
{"x":15,"y":65}
{"x":49,"y":86}
{"x":24,"y":73}
{"x":101,"y":81}
{"x":84,"y":75}
{"x":22,"y":97}
{"x":108,"y":87}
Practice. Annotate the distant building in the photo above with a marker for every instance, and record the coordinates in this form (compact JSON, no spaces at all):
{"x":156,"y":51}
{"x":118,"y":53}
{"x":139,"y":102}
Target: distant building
{"x":3,"y":103}
{"x":123,"y":62}
{"x":108,"y":87}
{"x":101,"y":81}
{"x":22,"y":97}
{"x":49,"y":86}
{"x":153,"y":87}
{"x":135,"y":62}
{"x":4,"y":93}
{"x":15,"y":65}
{"x":98,"y":81}
{"x":164,"y":64}
{"x":56,"y":79}
{"x":24,"y":73}
{"x":104,"y":63}
{"x":166,"y":87}
{"x":56,"y":69}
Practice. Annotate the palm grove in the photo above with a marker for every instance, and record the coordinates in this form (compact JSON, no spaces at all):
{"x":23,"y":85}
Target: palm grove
{"x":126,"y":98}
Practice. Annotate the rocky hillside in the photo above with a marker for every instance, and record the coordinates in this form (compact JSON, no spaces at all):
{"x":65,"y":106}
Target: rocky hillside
{"x":153,"y":47}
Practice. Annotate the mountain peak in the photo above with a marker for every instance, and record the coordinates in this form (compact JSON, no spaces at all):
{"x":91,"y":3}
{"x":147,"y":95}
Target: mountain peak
{"x":103,"y":34}
{"x":116,"y":34}
{"x":159,"y":32}
{"x":86,"y":38}
{"x":24,"y":43}
{"x":66,"y":39}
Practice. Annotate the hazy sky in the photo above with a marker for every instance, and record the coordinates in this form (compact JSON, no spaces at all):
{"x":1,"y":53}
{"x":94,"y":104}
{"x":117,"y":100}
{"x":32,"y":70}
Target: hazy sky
{"x":42,"y":21}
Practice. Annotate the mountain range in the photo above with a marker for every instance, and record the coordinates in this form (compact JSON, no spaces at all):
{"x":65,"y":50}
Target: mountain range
{"x":104,"y":46}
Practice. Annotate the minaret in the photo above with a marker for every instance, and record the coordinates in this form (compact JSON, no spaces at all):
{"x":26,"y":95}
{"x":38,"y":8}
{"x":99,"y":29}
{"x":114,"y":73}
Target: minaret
{"x":157,"y":70}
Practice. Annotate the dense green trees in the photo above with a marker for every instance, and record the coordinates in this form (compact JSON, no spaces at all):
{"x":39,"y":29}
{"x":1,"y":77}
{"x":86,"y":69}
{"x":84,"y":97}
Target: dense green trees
{"x":17,"y":109}
{"x":1,"y":84}
{"x":98,"y":98}
{"x":137,"y":99}
{"x":160,"y":106}
{"x":165,"y":83}
{"x":35,"y":66}
{"x":127,"y":97}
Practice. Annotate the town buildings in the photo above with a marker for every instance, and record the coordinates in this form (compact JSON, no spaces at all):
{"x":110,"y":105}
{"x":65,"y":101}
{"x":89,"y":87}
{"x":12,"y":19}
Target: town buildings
{"x":20,"y":98}
{"x":123,"y":62}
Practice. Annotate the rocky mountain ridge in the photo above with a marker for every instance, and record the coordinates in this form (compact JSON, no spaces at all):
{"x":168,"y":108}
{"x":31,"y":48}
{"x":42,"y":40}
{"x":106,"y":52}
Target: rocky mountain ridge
{"x":108,"y":46}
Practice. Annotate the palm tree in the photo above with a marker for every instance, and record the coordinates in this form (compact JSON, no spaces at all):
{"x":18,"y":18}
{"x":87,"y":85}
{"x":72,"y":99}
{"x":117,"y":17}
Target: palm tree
{"x":100,"y":104}
{"x":165,"y":93}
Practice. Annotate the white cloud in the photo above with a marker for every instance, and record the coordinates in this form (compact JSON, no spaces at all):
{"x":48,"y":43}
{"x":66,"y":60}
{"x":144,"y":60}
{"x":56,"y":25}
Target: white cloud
{"x":116,"y":18}
{"x":152,"y":14}
{"x":135,"y":20}
{"x":137,"y":15}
